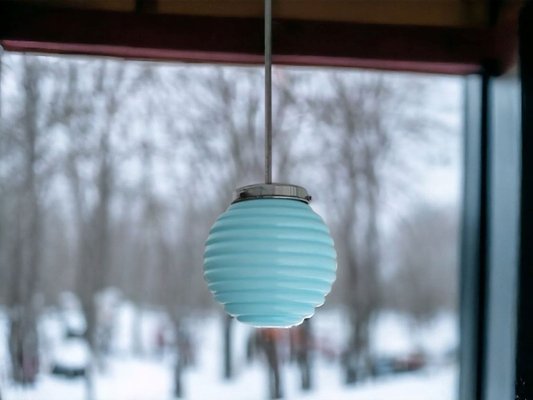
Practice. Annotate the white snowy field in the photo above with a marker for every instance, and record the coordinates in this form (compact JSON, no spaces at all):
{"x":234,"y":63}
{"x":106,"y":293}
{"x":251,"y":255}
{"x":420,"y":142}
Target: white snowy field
{"x":150,"y":377}
{"x":143,"y":379}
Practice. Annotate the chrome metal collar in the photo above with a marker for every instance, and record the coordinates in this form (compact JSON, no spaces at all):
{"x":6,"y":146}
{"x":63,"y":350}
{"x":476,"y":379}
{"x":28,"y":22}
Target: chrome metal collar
{"x":271,"y":190}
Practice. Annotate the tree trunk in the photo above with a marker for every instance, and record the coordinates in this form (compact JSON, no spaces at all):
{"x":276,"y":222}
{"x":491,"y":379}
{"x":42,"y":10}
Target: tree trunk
{"x":303,"y":354}
{"x":350,"y":357}
{"x":271,"y":352}
{"x":178,"y":372}
{"x":23,"y":347}
{"x":184,"y":357}
{"x":89,"y":382}
{"x":307,"y":383}
{"x":228,"y":365}
{"x":95,"y":255}
{"x":136,"y":326}
{"x":26,"y":253}
{"x":357,"y":356}
{"x":364,"y":300}
{"x":90,"y":335}
{"x":352,"y":300}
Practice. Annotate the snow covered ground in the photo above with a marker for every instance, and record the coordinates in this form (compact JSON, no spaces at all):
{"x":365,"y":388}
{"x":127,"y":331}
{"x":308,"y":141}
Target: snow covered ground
{"x":150,"y":377}
{"x":135,"y":379}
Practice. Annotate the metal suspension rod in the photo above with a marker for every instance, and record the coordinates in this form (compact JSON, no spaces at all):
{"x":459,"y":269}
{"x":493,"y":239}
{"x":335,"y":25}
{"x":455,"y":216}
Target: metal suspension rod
{"x":268,"y":91}
{"x":1,"y":65}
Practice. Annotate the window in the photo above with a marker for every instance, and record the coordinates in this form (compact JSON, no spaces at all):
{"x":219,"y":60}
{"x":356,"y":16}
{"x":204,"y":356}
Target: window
{"x":111,"y":173}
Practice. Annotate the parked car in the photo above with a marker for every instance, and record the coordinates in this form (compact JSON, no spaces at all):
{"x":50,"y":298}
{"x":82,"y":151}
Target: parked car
{"x":71,"y":357}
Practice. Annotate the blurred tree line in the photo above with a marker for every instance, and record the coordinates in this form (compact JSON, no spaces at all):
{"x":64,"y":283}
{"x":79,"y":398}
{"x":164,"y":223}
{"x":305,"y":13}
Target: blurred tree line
{"x":111,"y":174}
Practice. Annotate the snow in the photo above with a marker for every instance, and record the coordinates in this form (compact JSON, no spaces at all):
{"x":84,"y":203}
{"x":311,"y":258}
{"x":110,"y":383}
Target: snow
{"x":73,"y":353}
{"x":4,"y":354}
{"x":395,"y":335}
{"x":135,"y":379}
{"x":150,"y":376}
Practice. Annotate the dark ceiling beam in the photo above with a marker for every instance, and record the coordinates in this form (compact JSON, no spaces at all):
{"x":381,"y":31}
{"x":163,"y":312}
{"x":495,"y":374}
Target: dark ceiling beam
{"x":145,"y":6}
{"x":239,"y":40}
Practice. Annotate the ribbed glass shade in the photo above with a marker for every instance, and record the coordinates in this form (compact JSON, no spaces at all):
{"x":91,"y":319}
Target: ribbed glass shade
{"x":270,"y":262}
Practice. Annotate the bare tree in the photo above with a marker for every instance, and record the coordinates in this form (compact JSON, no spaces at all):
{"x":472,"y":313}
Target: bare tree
{"x":301,"y":343}
{"x":90,"y":110}
{"x":151,"y":246}
{"x":181,"y":290}
{"x":224,"y":113}
{"x":25,"y":241}
{"x":353,"y":112}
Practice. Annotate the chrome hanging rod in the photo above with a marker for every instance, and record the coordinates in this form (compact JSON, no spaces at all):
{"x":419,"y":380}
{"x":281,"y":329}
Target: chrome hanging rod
{"x":268,"y":91}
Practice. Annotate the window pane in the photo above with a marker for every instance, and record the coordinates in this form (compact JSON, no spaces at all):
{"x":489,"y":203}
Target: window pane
{"x":111,"y":174}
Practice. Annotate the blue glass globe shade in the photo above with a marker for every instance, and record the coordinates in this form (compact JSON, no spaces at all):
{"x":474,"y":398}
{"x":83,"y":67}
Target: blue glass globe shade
{"x":270,"y":261}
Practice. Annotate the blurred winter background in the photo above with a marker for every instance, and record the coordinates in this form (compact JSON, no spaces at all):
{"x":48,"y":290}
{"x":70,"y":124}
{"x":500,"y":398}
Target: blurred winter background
{"x":111,"y":174}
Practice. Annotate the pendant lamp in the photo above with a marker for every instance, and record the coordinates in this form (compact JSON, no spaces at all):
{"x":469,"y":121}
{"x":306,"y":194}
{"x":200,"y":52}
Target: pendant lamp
{"x":269,"y":258}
